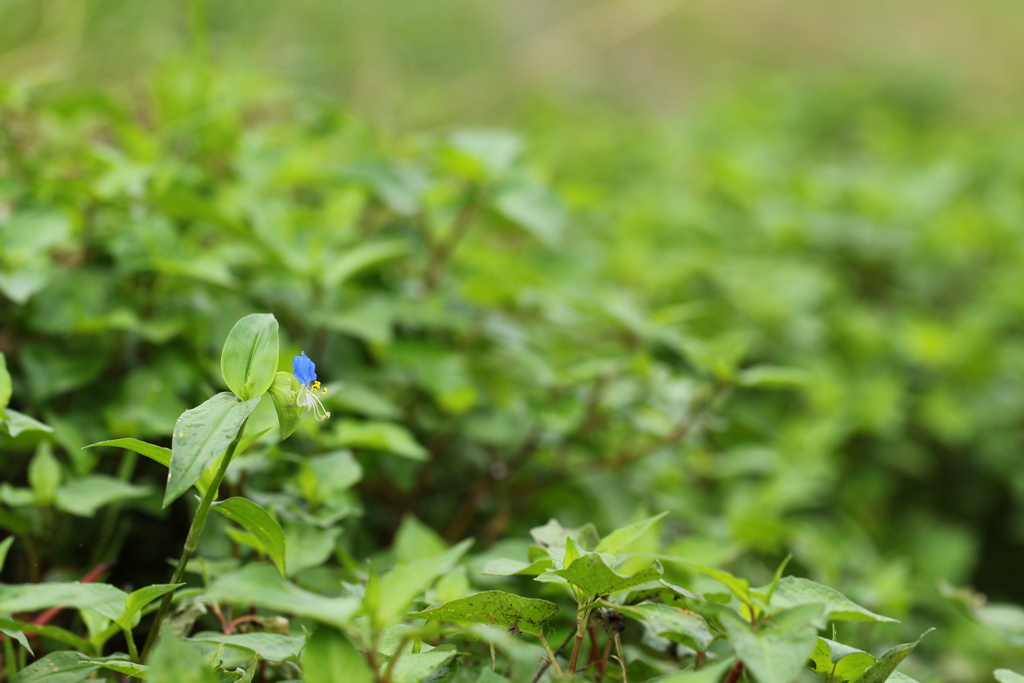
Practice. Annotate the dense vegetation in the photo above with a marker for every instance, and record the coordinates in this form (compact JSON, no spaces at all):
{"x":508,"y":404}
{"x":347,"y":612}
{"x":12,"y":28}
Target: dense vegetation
{"x":791,"y":323}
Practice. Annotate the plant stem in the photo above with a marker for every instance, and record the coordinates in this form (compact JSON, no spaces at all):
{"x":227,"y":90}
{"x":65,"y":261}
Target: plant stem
{"x":192,"y":541}
{"x":581,"y":630}
{"x":621,"y":658}
{"x":133,"y":651}
{"x":551,"y":655}
{"x":734,"y":673}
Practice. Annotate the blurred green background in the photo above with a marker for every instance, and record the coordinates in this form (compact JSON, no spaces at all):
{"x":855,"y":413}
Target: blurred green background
{"x":836,"y":187}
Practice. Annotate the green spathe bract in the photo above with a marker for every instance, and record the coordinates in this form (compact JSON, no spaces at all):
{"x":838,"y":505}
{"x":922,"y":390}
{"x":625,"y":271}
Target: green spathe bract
{"x":249,"y":359}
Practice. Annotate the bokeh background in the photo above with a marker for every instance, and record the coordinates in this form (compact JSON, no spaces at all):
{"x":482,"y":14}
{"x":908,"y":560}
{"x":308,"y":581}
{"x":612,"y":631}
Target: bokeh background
{"x":830,"y":194}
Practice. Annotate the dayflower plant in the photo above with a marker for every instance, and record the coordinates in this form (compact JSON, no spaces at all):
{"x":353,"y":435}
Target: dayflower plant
{"x":305,"y":372}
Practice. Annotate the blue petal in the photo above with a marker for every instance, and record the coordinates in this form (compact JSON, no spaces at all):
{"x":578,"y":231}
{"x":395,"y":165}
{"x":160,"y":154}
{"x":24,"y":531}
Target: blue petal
{"x":304,"y":369}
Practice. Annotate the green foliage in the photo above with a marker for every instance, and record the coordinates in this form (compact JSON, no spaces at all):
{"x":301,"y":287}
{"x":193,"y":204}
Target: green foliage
{"x":774,"y":380}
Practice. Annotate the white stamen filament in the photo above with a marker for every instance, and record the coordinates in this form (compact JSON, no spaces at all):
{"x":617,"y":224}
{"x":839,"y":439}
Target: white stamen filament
{"x":308,"y":400}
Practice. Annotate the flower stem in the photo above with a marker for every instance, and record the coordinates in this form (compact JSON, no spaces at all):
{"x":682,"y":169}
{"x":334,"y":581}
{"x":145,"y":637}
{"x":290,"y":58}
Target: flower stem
{"x":192,"y":542}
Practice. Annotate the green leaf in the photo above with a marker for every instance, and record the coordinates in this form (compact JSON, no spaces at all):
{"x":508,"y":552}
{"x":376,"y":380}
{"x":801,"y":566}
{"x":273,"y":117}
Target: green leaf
{"x":174,"y":661}
{"x":592,"y":575}
{"x":57,"y":667}
{"x":19,"y":636}
{"x":775,"y":579}
{"x":121,"y":666}
{"x":776,"y":653}
{"x":328,"y":476}
{"x":887,"y":663}
{"x":496,"y":608}
{"x":381,"y":436}
{"x":535,"y":209}
{"x":360,"y":258}
{"x":308,"y":545}
{"x":738,"y":586}
{"x":5,"y":545}
{"x":402,"y":584}
{"x":261,"y":585}
{"x":553,"y":534}
{"x":712,"y":673}
{"x":503,"y":566}
{"x":284,"y":391}
{"x":1007,"y":676}
{"x":260,"y":524}
{"x":157,"y":453}
{"x":415,"y":540}
{"x":83,"y":497}
{"x":418,"y":667}
{"x":201,"y":435}
{"x":54,"y":632}
{"x":614,"y":542}
{"x":841,"y":662}
{"x":272,"y":647}
{"x":5,"y":384}
{"x":17,"y":423}
{"x":44,"y":474}
{"x":772,"y":376}
{"x":329,"y":657}
{"x":673,"y":623}
{"x":250,"y":356}
{"x":138,"y":600}
{"x":793,"y":591}
{"x":31,"y":597}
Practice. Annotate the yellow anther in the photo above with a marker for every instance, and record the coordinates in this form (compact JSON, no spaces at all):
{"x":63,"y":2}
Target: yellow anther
{"x":316,"y":386}
{"x":324,"y":392}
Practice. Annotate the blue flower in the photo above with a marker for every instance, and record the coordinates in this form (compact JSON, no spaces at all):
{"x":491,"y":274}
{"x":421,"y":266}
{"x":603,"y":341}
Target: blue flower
{"x":305,"y":371}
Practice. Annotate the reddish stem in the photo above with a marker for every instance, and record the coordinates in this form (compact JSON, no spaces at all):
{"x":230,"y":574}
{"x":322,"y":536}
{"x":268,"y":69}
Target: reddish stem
{"x":734,"y":673}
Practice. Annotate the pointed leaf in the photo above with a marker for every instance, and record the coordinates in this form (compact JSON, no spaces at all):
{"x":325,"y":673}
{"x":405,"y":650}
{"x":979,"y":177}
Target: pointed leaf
{"x":17,"y":423}
{"x":250,"y":356}
{"x":592,"y":575}
{"x":261,"y":585}
{"x":157,"y":453}
{"x":260,"y":524}
{"x":329,"y":657}
{"x":175,"y":661}
{"x":777,"y":653}
{"x":887,"y":663}
{"x":841,"y":662}
{"x":201,"y":435}
{"x":792,"y":591}
{"x":54,"y":632}
{"x":503,"y":566}
{"x":273,"y":647}
{"x":738,"y":586}
{"x":36,"y":596}
{"x":620,"y":538}
{"x":420,"y":666}
{"x":137,"y":600}
{"x":678,"y":625}
{"x":57,"y":667}
{"x":404,"y":583}
{"x":494,"y":607}
{"x":5,"y":384}
{"x":5,"y":545}
{"x":120,"y":666}
{"x":83,"y":497}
